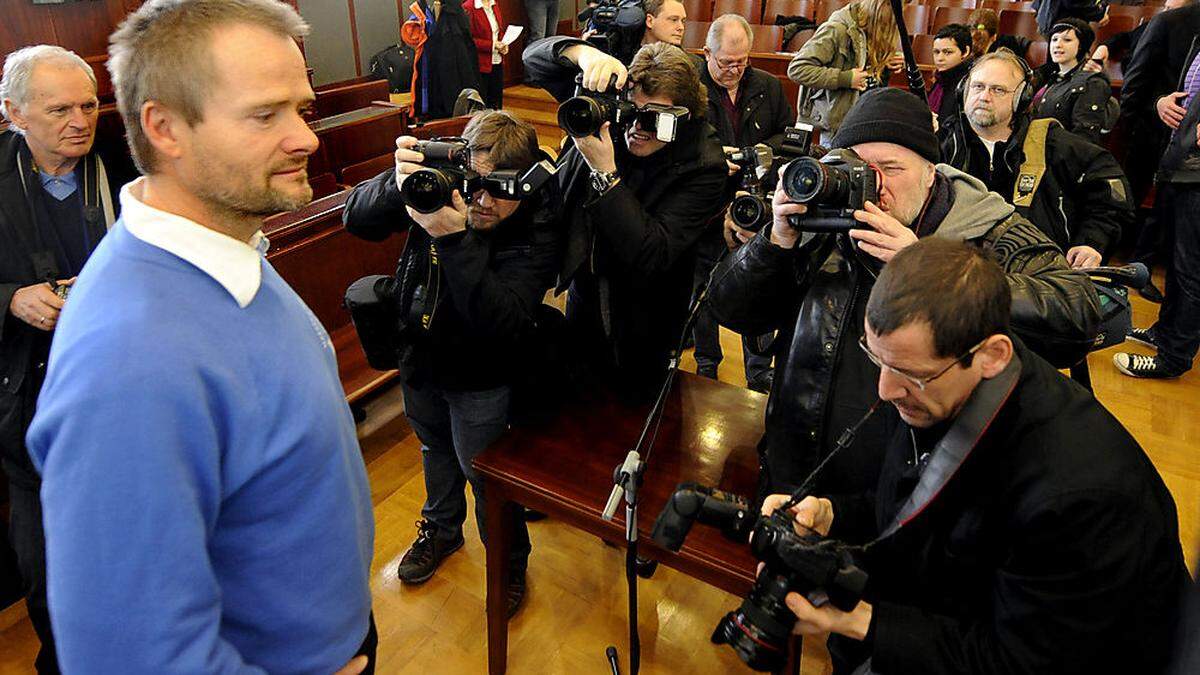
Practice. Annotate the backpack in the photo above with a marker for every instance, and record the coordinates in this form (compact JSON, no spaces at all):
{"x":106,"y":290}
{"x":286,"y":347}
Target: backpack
{"x":394,"y":64}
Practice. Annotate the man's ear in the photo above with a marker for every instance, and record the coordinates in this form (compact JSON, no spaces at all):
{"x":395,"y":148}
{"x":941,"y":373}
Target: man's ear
{"x":994,"y":356}
{"x":15,"y":114}
{"x":164,"y":128}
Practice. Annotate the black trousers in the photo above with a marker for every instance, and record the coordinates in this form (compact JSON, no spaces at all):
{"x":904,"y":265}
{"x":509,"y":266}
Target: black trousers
{"x":25,"y":512}
{"x":1178,"y":328}
{"x":493,"y":87}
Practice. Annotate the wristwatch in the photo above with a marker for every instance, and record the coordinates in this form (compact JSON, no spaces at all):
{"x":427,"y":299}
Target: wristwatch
{"x":602,"y":181}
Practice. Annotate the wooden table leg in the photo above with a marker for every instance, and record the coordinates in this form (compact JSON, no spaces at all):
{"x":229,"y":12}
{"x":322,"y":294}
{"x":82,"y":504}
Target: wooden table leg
{"x":498,"y":509}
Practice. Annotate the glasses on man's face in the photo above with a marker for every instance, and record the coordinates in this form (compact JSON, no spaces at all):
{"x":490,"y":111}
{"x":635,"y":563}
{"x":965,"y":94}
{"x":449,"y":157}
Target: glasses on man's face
{"x":995,"y":90}
{"x":740,"y":64}
{"x":919,"y":382}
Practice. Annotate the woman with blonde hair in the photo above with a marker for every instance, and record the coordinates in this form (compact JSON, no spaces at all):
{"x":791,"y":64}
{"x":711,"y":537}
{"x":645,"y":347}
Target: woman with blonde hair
{"x":855,"y":49}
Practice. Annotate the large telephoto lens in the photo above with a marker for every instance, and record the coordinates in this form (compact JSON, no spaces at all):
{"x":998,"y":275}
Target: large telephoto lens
{"x":582,"y":115}
{"x":426,"y":190}
{"x":807,"y":180}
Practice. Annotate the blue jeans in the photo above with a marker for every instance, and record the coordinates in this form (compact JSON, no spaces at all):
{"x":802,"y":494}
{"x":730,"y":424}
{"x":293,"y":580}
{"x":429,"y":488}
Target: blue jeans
{"x":543,"y":19}
{"x":1177,"y":330}
{"x":454,"y":427}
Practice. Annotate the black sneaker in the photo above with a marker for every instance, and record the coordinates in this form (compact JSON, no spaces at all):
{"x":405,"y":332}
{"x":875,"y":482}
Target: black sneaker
{"x":762,"y":384}
{"x":1143,"y":336}
{"x":425,"y":554}
{"x":1139,"y":365}
{"x":707,"y":371}
{"x":516,"y":592}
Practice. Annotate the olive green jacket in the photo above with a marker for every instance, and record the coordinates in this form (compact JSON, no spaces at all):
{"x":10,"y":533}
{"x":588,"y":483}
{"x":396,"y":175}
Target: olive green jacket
{"x":823,"y":68}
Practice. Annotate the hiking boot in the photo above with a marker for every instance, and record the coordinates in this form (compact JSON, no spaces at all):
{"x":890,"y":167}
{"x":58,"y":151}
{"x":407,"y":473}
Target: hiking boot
{"x":1139,"y":365}
{"x":425,"y":554}
{"x":1143,"y":336}
{"x":516,"y":591}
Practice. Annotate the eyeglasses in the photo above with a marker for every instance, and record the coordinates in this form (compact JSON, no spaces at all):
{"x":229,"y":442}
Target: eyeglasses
{"x":732,"y":65}
{"x":919,"y":382}
{"x":996,"y":90}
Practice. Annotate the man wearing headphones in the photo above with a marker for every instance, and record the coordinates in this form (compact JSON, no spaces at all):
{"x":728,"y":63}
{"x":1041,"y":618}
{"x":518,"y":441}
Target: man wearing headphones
{"x":1072,"y":190}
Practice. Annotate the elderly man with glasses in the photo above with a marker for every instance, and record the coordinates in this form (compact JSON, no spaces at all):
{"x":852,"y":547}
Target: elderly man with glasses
{"x":747,"y":107}
{"x":813,"y":288}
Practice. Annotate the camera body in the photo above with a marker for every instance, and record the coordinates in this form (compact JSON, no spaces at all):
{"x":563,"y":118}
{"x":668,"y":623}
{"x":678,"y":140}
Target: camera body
{"x":616,"y":26}
{"x":447,"y":167}
{"x":823,"y":570}
{"x":751,"y":211}
{"x":832,"y":188}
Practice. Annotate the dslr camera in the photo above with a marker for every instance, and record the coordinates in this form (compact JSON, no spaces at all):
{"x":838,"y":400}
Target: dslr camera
{"x":447,"y":167}
{"x":833,"y":188}
{"x":756,"y":164}
{"x":616,"y":26}
{"x":823,"y":570}
{"x":584,"y":113}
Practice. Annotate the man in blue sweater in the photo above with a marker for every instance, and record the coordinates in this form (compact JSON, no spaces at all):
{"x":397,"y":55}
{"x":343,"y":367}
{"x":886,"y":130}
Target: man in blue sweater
{"x":205,"y":500}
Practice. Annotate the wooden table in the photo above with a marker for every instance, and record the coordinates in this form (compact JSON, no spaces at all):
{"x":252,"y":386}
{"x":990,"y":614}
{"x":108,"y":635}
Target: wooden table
{"x":565,"y":469}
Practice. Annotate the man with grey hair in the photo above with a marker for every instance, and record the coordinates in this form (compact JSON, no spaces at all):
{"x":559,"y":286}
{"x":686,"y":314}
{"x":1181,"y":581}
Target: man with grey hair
{"x":747,"y":107}
{"x":205,"y":501}
{"x":56,"y":203}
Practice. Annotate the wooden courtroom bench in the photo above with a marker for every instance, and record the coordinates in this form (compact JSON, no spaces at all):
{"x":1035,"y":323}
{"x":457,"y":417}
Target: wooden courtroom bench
{"x":315,"y":254}
{"x":354,"y":137}
{"x":349,"y":96}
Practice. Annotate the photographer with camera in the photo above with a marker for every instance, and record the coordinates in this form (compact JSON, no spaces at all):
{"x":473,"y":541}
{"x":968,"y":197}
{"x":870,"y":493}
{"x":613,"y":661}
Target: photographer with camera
{"x":643,"y":178}
{"x":467,"y":286}
{"x":812,"y":286}
{"x":746,"y":106}
{"x":1000,"y":539}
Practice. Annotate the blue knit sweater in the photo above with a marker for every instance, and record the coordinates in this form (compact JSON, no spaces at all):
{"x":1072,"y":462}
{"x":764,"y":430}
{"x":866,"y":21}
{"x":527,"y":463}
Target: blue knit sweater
{"x":206,"y":505}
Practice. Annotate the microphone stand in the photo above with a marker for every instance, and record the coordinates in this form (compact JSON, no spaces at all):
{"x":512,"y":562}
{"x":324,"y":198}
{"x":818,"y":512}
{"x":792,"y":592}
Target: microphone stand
{"x":627,"y":478}
{"x":916,"y":83}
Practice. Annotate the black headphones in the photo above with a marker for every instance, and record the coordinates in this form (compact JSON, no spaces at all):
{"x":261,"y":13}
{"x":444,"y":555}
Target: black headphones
{"x":1021,"y":97}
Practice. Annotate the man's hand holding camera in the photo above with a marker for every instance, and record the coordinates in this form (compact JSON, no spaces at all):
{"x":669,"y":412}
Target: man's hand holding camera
{"x":815,"y":515}
{"x":442,"y":222}
{"x":598,"y":150}
{"x":598,"y":68}
{"x":39,"y":305}
{"x":887,"y":235}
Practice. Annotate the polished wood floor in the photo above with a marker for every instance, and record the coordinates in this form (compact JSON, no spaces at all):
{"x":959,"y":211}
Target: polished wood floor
{"x":576,"y":603}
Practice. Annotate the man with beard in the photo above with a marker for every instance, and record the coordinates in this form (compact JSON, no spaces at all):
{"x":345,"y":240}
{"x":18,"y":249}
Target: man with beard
{"x":1080,"y":198}
{"x":206,"y":504}
{"x":813,"y":288}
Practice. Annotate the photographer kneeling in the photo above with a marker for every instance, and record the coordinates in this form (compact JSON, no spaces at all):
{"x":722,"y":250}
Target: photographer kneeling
{"x":813,"y":287}
{"x":467,"y":286}
{"x":635,"y":207}
{"x":1016,"y":525}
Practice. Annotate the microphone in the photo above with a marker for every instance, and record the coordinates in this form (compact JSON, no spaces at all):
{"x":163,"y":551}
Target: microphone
{"x":627,"y":472}
{"x":611,"y":652}
{"x":1134,"y":275}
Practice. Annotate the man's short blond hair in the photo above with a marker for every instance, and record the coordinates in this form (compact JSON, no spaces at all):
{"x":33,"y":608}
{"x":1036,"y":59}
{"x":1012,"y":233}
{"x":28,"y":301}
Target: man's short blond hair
{"x":162,"y":52}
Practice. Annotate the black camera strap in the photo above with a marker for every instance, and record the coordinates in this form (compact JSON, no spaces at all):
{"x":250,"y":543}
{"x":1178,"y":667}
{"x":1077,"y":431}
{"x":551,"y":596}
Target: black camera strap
{"x":961,"y":438}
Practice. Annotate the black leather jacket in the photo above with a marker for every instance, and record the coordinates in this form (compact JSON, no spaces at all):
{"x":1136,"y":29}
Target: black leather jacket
{"x":815,"y":296}
{"x":478,"y":290}
{"x":1083,"y":199}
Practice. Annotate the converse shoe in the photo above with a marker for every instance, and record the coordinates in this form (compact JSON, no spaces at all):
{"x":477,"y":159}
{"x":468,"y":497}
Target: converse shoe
{"x":1139,"y":365}
{"x":426,"y":553}
{"x":516,"y":592}
{"x":1143,"y":336}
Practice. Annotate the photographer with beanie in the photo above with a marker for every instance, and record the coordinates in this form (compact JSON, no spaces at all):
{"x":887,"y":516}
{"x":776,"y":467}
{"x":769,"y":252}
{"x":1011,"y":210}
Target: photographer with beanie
{"x":813,"y":289}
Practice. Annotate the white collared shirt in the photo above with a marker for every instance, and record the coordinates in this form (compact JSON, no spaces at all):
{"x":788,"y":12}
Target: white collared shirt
{"x":234,"y":264}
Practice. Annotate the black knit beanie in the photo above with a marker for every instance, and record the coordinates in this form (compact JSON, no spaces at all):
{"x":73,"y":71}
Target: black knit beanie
{"x":890,"y":115}
{"x":1082,"y":31}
